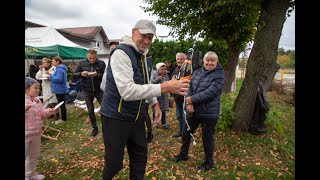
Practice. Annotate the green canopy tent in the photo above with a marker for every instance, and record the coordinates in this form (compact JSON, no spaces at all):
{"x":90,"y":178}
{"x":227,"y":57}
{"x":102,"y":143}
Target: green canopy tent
{"x":48,"y":42}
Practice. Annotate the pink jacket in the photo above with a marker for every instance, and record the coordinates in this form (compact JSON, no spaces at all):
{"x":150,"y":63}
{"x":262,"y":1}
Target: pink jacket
{"x":34,"y":116}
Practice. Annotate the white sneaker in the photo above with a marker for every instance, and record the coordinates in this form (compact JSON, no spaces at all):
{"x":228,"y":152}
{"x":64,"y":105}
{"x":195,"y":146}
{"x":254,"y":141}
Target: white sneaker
{"x":59,"y":121}
{"x":37,"y":177}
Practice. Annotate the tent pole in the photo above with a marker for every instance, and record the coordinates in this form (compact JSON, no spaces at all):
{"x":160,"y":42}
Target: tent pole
{"x":28,"y":66}
{"x":58,"y":50}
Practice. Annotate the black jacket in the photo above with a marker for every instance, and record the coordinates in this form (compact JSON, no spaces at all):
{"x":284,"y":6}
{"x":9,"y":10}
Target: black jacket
{"x":205,"y":90}
{"x":90,"y":84}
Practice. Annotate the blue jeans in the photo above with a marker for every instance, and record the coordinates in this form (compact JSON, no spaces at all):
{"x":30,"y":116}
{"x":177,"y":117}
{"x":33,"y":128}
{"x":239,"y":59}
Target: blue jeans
{"x":70,"y":97}
{"x":180,"y":115}
{"x":163,"y":118}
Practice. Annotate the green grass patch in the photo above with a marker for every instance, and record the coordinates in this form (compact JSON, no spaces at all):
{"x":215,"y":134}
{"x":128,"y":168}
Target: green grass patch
{"x":75,"y":155}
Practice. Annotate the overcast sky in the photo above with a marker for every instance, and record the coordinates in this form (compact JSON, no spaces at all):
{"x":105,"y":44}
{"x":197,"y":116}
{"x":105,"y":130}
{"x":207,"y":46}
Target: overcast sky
{"x":116,"y":16}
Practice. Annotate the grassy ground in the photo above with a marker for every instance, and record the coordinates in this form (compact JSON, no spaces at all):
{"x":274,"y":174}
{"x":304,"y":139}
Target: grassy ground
{"x":75,"y":155}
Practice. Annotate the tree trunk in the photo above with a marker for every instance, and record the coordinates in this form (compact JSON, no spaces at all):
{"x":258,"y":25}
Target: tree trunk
{"x":230,"y":67}
{"x":262,"y":63}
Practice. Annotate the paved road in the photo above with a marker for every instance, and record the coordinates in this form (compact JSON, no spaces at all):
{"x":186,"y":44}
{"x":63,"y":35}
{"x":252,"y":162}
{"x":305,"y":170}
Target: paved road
{"x":288,"y":78}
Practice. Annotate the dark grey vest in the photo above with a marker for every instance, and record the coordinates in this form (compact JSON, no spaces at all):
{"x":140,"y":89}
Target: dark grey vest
{"x":113,"y":106}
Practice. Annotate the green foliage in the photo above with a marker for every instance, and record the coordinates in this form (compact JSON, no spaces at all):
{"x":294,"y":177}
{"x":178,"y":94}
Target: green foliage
{"x":286,"y":59}
{"x":233,"y":21}
{"x":227,"y":115}
{"x":162,"y":51}
{"x":274,"y":119}
{"x":239,"y":82}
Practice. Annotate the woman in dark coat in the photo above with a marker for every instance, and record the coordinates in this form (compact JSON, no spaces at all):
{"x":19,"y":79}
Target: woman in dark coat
{"x":203,"y":106}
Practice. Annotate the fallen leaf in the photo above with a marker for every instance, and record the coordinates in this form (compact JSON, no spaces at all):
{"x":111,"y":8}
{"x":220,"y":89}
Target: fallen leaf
{"x":240,"y":173}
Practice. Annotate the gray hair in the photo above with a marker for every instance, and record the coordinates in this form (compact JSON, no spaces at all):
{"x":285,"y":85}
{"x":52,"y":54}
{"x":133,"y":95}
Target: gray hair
{"x":181,"y":54}
{"x":211,"y":54}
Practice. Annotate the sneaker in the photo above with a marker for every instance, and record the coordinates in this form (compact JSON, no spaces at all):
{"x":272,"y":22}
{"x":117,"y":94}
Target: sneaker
{"x":165,"y":126}
{"x":177,"y":135}
{"x":94,"y":132}
{"x":36,"y":177}
{"x":149,"y":137}
{"x":179,"y":157}
{"x":205,"y":167}
{"x":59,"y":121}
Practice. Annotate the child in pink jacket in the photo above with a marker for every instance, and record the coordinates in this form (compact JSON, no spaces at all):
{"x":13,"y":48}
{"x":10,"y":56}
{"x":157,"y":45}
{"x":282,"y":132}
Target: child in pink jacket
{"x":34,"y":114}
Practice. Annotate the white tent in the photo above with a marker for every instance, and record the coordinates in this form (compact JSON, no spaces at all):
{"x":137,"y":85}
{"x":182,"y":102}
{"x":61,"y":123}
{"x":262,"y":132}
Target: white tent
{"x":48,"y":42}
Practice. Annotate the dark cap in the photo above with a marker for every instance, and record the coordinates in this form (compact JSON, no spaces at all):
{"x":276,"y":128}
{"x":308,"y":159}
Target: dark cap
{"x":29,"y":81}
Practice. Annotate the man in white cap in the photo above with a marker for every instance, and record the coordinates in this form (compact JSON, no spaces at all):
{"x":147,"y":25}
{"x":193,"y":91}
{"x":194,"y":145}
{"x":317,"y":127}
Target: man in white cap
{"x":127,"y":87}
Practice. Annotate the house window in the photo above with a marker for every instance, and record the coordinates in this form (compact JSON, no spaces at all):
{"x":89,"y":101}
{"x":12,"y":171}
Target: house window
{"x":97,"y":44}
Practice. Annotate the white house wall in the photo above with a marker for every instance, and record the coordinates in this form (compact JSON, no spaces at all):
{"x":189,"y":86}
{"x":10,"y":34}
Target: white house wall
{"x":103,"y":51}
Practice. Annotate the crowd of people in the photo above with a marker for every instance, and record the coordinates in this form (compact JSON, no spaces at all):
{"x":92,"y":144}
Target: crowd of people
{"x":126,"y":86}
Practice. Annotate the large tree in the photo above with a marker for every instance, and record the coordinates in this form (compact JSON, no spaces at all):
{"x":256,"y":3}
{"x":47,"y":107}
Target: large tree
{"x":262,"y":63}
{"x":230,"y":20}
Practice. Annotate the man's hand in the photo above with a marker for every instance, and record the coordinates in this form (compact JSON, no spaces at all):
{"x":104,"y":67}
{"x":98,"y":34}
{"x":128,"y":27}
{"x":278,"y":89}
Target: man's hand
{"x":157,"y":114}
{"x":188,"y":100}
{"x":92,"y":74}
{"x":190,"y":108}
{"x":84,"y":73}
{"x":175,"y":86}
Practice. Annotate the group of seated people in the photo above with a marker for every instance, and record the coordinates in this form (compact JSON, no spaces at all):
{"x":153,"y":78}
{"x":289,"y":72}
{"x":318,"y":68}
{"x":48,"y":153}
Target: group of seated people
{"x":74,"y":91}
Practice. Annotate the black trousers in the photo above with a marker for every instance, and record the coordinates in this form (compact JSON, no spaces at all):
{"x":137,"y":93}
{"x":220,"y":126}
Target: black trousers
{"x":60,"y":98}
{"x":89,"y":96}
{"x":207,"y":137}
{"x":144,"y":112}
{"x":116,"y":135}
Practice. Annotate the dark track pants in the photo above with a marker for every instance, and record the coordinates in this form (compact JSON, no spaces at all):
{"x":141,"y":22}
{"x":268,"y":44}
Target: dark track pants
{"x":89,"y":97}
{"x":207,"y":137}
{"x":116,"y":135}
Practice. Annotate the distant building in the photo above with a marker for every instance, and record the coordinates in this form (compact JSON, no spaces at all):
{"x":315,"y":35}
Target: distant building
{"x":28,"y":24}
{"x":90,"y":37}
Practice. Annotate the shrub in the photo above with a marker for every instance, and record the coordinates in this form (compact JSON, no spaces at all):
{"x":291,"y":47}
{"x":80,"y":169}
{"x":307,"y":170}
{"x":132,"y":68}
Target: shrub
{"x":273,"y":119}
{"x":277,"y":86}
{"x":227,"y":115}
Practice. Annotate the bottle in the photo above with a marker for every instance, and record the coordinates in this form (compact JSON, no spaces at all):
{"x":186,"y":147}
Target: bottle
{"x":185,"y":70}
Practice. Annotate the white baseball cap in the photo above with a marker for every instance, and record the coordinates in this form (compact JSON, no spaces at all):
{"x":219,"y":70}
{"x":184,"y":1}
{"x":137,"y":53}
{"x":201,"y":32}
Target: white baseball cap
{"x":145,"y":27}
{"x":159,"y":65}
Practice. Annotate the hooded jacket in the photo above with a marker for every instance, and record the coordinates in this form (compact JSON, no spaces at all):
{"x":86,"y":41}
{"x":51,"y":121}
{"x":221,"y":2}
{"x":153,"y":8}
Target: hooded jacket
{"x":164,"y":98}
{"x":58,"y":80}
{"x":127,"y":83}
{"x":33,"y":117}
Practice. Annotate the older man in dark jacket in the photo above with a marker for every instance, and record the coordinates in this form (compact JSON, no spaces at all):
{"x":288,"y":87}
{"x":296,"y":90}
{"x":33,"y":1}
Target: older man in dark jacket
{"x":91,"y":72}
{"x":203,"y":105}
